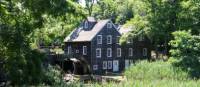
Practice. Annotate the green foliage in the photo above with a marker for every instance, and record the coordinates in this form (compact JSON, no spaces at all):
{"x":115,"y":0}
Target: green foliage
{"x":20,"y":22}
{"x":117,"y":10}
{"x":153,"y":74}
{"x":155,"y":71}
{"x":105,"y":9}
{"x":186,"y":49}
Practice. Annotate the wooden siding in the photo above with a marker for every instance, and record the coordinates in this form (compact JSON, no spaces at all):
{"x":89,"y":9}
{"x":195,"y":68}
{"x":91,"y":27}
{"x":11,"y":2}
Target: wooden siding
{"x":91,"y":58}
{"x":99,"y":61}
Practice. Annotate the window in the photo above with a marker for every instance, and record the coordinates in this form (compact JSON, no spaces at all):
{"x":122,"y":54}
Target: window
{"x":95,"y":67}
{"x":129,"y":40}
{"x":109,"y":64}
{"x":69,"y":50}
{"x":77,"y":51}
{"x":117,"y":39}
{"x":141,"y":38}
{"x":84,"y":50}
{"x":130,"y":51}
{"x":99,"y":39}
{"x":118,"y":52}
{"x":104,"y":64}
{"x":126,"y":64}
{"x":144,"y":51}
{"x":86,"y":24}
{"x":109,"y":39}
{"x":109,"y":52}
{"x":109,"y":25}
{"x":98,"y":52}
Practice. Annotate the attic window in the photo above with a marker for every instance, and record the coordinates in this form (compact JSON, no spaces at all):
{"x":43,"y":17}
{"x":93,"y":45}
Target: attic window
{"x":141,"y":38}
{"x":99,"y":39}
{"x":109,"y":25}
{"x":86,"y":24}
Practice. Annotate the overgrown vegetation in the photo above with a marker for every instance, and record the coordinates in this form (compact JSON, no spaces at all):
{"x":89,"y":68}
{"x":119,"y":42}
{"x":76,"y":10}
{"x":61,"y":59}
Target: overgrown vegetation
{"x":154,"y":74}
{"x":26,"y":23}
{"x":186,"y":49}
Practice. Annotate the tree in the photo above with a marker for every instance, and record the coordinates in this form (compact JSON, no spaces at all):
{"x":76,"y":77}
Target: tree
{"x":186,"y":49}
{"x":18,"y":21}
{"x":159,"y":18}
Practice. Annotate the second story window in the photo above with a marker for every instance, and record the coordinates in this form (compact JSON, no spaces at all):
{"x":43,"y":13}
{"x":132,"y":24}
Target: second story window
{"x":109,"y":25}
{"x":109,"y":52}
{"x":99,"y":39}
{"x":84,"y":50}
{"x":130,"y":51}
{"x":98,"y":52}
{"x":118,"y":52}
{"x":109,"y":39}
{"x":86,"y":24}
{"x":117,"y":39}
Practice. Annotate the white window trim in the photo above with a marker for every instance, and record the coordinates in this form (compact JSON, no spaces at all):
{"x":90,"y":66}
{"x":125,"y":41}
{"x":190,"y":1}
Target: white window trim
{"x":105,"y":65}
{"x":84,"y":52}
{"x":109,"y":25}
{"x":86,"y":24}
{"x":99,"y":52}
{"x":95,"y":67}
{"x":99,"y":42}
{"x":127,"y":63}
{"x":120,"y":53}
{"x":109,"y":55}
{"x":130,"y":51}
{"x":109,"y":36}
{"x":144,"y":51}
{"x":110,"y":66}
{"x":69,"y":49}
{"x":129,"y":40}
{"x":118,"y":40}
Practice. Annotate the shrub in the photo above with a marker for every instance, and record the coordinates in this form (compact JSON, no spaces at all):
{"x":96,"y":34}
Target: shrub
{"x":186,"y":48}
{"x":154,"y":71}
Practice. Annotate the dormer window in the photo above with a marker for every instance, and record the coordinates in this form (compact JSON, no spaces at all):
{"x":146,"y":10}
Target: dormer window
{"x":109,"y":25}
{"x":86,"y":24}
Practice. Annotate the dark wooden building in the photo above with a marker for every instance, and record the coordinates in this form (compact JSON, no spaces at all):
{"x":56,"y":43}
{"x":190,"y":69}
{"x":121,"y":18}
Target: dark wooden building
{"x":98,"y":43}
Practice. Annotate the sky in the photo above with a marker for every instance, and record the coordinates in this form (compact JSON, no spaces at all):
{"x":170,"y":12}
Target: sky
{"x":82,"y":2}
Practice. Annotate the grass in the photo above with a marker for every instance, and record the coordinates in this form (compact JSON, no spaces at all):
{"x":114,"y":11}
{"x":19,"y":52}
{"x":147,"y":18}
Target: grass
{"x":153,"y":74}
{"x":149,"y":74}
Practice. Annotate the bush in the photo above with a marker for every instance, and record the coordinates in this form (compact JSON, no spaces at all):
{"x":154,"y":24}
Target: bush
{"x":186,"y":48}
{"x":153,"y":74}
{"x":155,"y":71}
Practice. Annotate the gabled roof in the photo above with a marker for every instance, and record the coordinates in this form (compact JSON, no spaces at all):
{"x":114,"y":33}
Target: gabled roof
{"x":80,"y":35}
